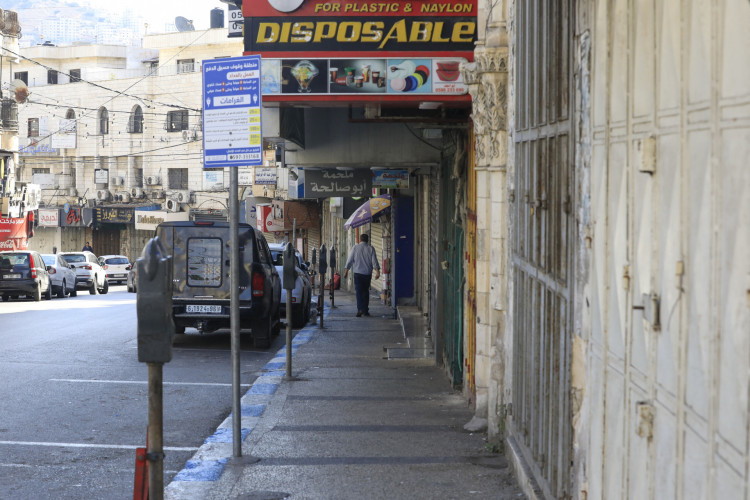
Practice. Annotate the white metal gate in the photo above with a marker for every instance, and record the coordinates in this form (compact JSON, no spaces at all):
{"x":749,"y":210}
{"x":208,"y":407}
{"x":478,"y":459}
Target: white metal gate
{"x":542,"y":239}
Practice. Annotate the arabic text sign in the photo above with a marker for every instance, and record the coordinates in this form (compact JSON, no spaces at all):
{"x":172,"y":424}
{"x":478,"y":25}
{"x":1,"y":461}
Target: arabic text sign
{"x":390,"y":178}
{"x":232,"y":112}
{"x":49,"y":217}
{"x":329,"y":183}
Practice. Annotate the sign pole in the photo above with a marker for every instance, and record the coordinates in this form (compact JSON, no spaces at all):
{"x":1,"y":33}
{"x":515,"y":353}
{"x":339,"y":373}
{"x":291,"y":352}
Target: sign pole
{"x":234,"y":311}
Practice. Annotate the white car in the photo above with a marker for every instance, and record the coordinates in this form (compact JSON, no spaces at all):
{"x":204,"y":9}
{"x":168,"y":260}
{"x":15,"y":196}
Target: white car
{"x":61,"y":275}
{"x":117,"y":268}
{"x":89,"y":274}
{"x":302,"y":293}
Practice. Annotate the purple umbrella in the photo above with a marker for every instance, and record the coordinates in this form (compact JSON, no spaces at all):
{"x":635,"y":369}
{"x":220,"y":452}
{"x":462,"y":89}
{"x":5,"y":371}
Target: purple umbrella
{"x":370,"y":211}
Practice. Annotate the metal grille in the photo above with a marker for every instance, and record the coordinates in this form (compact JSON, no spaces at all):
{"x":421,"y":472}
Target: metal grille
{"x":540,"y":418}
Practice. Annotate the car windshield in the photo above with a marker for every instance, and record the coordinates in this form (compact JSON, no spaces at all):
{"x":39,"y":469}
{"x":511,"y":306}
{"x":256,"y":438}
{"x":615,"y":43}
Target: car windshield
{"x":49,"y":260}
{"x":117,"y":260}
{"x":8,"y":260}
{"x":74,"y":258}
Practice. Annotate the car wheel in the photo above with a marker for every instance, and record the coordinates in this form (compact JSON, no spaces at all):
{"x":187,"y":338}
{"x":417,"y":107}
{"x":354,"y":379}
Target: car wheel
{"x":48,"y":294}
{"x":262,"y":328}
{"x":6,"y":298}
{"x":130,"y":288}
{"x":105,"y":288}
{"x":38,"y":293}
{"x":92,"y":288}
{"x":73,"y":291}
{"x":179,"y":330}
{"x":63,"y":291}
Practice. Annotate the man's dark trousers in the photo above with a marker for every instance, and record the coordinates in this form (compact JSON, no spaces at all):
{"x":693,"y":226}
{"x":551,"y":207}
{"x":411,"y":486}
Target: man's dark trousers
{"x":362,"y":288}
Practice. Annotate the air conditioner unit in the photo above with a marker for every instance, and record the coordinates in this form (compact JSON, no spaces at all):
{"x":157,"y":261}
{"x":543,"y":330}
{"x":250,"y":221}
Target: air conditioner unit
{"x":136,"y":193}
{"x":157,"y":194}
{"x":123,"y":196}
{"x":153,"y":180}
{"x":172,"y":205}
{"x":103,"y":195}
{"x":188,"y":135}
{"x":183,"y":196}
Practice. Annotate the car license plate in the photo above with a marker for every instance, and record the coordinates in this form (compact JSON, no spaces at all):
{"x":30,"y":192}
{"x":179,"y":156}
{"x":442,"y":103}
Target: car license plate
{"x":118,"y":275}
{"x":194,"y":308}
{"x":14,"y":276}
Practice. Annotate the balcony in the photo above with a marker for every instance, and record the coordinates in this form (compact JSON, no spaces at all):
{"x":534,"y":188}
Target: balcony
{"x":9,"y":115}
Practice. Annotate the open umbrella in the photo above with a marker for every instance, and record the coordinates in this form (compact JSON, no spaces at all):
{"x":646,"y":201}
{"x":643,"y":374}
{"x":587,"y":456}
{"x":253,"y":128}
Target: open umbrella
{"x":370,"y":211}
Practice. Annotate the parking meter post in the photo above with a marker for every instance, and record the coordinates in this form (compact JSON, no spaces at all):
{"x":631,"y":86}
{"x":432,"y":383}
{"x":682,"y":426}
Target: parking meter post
{"x":332,"y":261}
{"x":155,"y":333}
{"x":234,"y":311}
{"x":322,"y":269}
{"x":289,"y":279}
{"x":314,"y":264}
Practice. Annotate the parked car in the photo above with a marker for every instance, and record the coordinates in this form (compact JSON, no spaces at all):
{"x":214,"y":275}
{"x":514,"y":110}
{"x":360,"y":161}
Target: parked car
{"x":24,"y":273}
{"x":302,"y":293}
{"x":133,"y":279}
{"x":89,"y":274}
{"x":116,"y":267}
{"x":63,"y":277}
{"x":201,"y":286}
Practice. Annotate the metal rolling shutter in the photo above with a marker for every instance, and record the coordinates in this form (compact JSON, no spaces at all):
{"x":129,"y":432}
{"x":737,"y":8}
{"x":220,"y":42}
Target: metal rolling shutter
{"x":376,"y":240}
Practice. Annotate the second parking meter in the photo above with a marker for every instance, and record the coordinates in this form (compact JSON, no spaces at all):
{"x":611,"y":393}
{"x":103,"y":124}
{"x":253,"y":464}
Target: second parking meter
{"x":154,"y":304}
{"x":289,"y":277}
{"x":322,"y":263}
{"x":332,"y":259}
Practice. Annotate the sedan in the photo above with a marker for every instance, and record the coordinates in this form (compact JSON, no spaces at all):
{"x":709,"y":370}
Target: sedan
{"x":117,"y":268}
{"x":62,"y":276}
{"x":302,"y":293}
{"x":133,"y":279}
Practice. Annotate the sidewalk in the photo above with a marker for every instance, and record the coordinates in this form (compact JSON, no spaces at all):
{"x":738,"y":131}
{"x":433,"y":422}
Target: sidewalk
{"x":355,"y":426}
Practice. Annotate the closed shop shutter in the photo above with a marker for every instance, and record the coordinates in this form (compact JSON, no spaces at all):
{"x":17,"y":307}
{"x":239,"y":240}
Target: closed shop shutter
{"x":434,"y":221}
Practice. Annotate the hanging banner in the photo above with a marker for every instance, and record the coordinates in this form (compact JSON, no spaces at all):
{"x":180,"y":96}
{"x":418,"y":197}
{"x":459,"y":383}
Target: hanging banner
{"x":390,"y":179}
{"x":13,"y":233}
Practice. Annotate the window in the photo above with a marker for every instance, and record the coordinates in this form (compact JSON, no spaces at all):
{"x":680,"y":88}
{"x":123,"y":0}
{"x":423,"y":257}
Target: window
{"x":185,"y":65}
{"x":138,"y":177}
{"x":40,"y":171}
{"x":51,"y":77}
{"x":33,"y":127}
{"x":75,"y":75}
{"x":135,"y":122}
{"x":177,"y":120}
{"x":178,"y":178}
{"x":204,"y":262}
{"x":70,"y":115}
{"x":103,"y":128}
{"x":23,"y":76}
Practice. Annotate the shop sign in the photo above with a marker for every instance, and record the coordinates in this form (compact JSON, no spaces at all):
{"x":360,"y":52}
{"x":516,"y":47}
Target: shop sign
{"x":265,"y":176}
{"x":101,"y":176}
{"x":78,"y":217}
{"x":368,"y":26}
{"x":37,"y":148}
{"x":13,"y":233}
{"x":245,"y":177}
{"x":390,"y":179}
{"x":265,"y":221}
{"x":49,"y":217}
{"x":147,"y":220}
{"x":330,"y":182}
{"x":213,"y":180}
{"x":65,"y":136}
{"x":114,"y":215}
{"x":364,"y":76}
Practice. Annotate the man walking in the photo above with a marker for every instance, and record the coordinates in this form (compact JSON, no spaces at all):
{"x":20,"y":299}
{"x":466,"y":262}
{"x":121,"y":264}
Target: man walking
{"x":87,"y":248}
{"x":362,"y":260}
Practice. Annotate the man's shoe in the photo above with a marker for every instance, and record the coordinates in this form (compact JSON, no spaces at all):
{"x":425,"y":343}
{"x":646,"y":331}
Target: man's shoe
{"x":365,"y":314}
{"x":359,"y":313}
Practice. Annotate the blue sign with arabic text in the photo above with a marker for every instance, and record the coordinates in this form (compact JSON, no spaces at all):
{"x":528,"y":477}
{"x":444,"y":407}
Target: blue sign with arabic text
{"x":232,"y":112}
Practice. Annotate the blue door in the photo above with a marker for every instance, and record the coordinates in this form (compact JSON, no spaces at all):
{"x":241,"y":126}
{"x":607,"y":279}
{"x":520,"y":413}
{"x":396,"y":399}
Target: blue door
{"x":403,"y":247}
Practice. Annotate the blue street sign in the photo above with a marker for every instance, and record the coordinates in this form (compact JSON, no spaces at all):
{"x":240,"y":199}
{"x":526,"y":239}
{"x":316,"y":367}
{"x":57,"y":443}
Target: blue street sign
{"x":231,"y":112}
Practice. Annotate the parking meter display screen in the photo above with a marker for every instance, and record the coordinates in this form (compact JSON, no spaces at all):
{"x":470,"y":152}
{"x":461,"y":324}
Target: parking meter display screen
{"x":204,"y":262}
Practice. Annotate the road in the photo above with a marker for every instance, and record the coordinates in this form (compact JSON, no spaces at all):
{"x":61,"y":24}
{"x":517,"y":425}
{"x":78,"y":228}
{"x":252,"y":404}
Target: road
{"x":74,"y":396}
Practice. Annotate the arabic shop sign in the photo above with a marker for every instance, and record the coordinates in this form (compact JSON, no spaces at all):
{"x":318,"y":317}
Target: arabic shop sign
{"x":147,"y":220}
{"x":265,"y":175}
{"x":329,"y":183}
{"x":49,"y":217}
{"x":115,"y":215}
{"x":78,"y":217}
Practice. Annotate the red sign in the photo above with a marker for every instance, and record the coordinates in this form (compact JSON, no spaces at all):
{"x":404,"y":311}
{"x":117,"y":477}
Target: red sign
{"x":13,"y":234}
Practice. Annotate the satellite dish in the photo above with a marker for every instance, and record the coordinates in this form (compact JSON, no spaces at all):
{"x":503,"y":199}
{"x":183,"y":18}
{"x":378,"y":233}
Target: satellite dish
{"x":183,"y":24}
{"x":20,"y":91}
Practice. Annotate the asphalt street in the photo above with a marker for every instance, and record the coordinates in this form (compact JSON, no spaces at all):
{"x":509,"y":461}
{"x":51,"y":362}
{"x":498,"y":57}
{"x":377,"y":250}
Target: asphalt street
{"x":74,"y":396}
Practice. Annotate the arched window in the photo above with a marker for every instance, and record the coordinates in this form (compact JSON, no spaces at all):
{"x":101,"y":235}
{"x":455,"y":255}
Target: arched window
{"x":103,"y":121}
{"x":135,"y":122}
{"x":70,"y":126}
{"x":70,"y":115}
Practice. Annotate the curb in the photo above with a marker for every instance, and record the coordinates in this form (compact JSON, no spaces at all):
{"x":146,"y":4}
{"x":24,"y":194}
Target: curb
{"x":207,"y":464}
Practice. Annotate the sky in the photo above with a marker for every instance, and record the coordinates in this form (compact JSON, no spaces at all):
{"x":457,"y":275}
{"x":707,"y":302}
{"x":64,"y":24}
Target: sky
{"x":160,"y":12}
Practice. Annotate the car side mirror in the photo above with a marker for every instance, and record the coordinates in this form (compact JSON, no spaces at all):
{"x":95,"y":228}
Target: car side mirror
{"x":49,"y":268}
{"x":72,"y":266}
{"x":129,"y":267}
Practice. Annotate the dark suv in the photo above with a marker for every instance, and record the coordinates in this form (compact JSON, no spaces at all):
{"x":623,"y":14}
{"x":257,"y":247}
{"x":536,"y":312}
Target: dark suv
{"x":201,"y":282}
{"x":23,"y":272}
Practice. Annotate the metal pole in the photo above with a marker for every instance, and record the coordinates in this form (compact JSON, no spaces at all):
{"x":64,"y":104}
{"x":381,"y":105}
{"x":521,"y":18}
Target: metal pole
{"x":321,"y":304}
{"x":155,"y":452}
{"x":234,"y":310}
{"x":289,"y":313}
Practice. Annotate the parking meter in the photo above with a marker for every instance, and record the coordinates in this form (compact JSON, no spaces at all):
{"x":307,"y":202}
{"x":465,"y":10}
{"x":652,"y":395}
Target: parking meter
{"x":314,"y":259}
{"x":332,"y":259}
{"x":289,"y":279}
{"x":154,"y":304}
{"x":322,"y":264}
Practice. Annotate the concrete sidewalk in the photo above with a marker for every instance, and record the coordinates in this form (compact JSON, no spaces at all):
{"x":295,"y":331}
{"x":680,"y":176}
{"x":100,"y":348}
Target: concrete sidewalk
{"x":356,"y":426}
